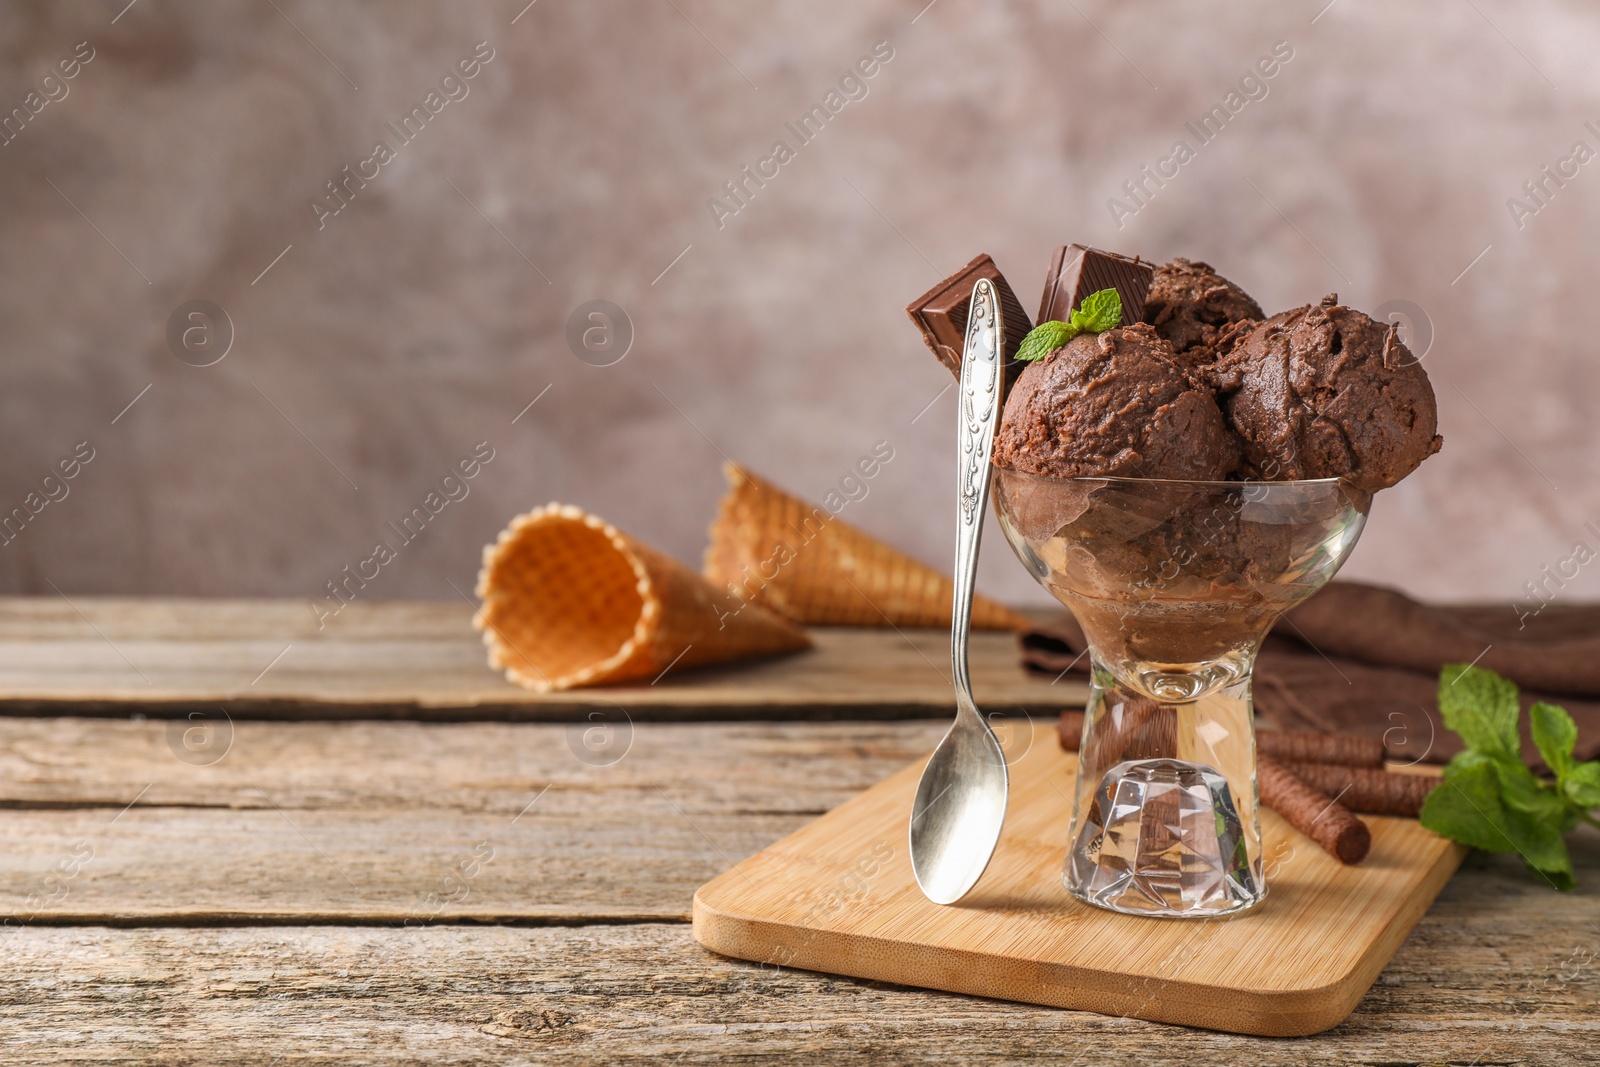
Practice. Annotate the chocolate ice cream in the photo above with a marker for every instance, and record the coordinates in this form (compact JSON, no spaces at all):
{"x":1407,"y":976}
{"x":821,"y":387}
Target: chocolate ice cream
{"x":1191,"y":306}
{"x":1324,"y":391}
{"x":1114,"y":404}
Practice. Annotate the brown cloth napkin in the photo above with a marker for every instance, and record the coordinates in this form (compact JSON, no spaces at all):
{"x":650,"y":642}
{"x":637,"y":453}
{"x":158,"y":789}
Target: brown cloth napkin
{"x":1362,"y":659}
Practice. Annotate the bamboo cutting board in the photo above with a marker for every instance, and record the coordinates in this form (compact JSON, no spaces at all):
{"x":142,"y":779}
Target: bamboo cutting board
{"x":838,"y":896}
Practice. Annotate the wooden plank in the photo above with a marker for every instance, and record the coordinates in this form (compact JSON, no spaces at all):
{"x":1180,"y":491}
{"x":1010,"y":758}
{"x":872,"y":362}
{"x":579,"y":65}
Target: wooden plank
{"x":421,"y":660}
{"x":373,"y":821}
{"x":1488,"y":977}
{"x":184,"y":866}
{"x":481,"y":768}
{"x":839,"y":896}
{"x":1501,"y":968}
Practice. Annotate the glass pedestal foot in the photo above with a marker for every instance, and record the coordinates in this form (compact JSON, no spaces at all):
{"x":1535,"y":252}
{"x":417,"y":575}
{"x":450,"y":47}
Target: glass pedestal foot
{"x":1163,"y":837}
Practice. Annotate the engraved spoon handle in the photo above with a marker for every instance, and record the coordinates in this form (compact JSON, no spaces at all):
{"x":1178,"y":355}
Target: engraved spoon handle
{"x":978,"y":411}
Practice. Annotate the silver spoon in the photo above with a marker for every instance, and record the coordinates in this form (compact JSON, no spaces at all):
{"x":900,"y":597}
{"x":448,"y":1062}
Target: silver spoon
{"x":961,"y":800}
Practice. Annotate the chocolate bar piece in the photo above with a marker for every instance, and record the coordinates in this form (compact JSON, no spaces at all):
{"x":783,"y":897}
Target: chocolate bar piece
{"x":941,"y":315}
{"x":1077,"y":271}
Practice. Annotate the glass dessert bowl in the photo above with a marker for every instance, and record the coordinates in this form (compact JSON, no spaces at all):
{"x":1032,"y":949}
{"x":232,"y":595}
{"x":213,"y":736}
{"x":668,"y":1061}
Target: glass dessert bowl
{"x":1175,"y":583}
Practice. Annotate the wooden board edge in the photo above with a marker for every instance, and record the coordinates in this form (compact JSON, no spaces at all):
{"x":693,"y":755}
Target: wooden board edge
{"x":1364,"y":972}
{"x":1296,"y":1013}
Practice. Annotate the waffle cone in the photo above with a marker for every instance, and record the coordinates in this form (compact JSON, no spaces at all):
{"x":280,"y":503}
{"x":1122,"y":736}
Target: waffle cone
{"x":569,"y":600}
{"x":772,"y":549}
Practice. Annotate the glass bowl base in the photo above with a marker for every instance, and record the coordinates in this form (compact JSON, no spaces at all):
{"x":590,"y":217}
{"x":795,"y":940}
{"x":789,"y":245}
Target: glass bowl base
{"x":1163,"y":837}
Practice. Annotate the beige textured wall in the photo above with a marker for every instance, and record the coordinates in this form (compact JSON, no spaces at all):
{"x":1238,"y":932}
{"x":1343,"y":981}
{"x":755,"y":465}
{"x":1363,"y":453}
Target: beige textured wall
{"x":424,"y":316}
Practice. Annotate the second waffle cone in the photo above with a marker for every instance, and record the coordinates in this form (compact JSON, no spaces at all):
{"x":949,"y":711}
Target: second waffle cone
{"x":770,"y":548}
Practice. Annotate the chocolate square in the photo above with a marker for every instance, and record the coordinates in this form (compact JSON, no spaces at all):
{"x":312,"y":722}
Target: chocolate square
{"x":1078,"y":271}
{"x":941,"y":315}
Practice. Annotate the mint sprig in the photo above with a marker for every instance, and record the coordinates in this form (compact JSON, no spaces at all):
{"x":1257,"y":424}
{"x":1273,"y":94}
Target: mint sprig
{"x":1044,"y":339}
{"x":1488,"y":798}
{"x":1097,"y":313}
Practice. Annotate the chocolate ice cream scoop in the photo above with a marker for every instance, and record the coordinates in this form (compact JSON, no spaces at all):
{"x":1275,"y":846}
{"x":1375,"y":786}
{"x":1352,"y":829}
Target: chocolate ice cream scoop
{"x":1114,"y":404}
{"x":1192,"y":306}
{"x":1327,"y":392}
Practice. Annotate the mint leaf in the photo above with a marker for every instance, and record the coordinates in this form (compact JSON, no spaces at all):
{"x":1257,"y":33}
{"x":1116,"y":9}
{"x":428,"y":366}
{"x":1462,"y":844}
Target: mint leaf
{"x":1543,"y":850}
{"x":1488,"y":798}
{"x":1044,"y":339}
{"x":1098,"y":312}
{"x":1521,"y":792}
{"x":1539,"y":843}
{"x":1481,"y":706}
{"x":1466,"y":806}
{"x":1582,"y":784}
{"x":1556,"y":735}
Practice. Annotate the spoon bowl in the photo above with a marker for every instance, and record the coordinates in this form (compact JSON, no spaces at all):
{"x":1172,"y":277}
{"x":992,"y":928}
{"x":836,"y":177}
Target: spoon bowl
{"x":959,"y":809}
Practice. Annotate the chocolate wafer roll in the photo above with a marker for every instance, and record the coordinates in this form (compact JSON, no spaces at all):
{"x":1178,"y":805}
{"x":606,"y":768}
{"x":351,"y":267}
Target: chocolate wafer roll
{"x":1139,"y":729}
{"x":1289,"y":746}
{"x":1111,"y":735}
{"x":1375,"y":792}
{"x":1325,"y":821}
{"x":1069,"y":730}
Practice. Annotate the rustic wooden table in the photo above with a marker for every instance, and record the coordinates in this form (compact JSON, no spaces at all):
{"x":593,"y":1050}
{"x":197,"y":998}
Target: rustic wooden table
{"x":330,"y":887}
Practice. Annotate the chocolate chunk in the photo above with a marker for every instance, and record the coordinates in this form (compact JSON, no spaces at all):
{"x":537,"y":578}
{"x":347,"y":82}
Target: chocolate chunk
{"x":1077,"y":271}
{"x":941,"y":315}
